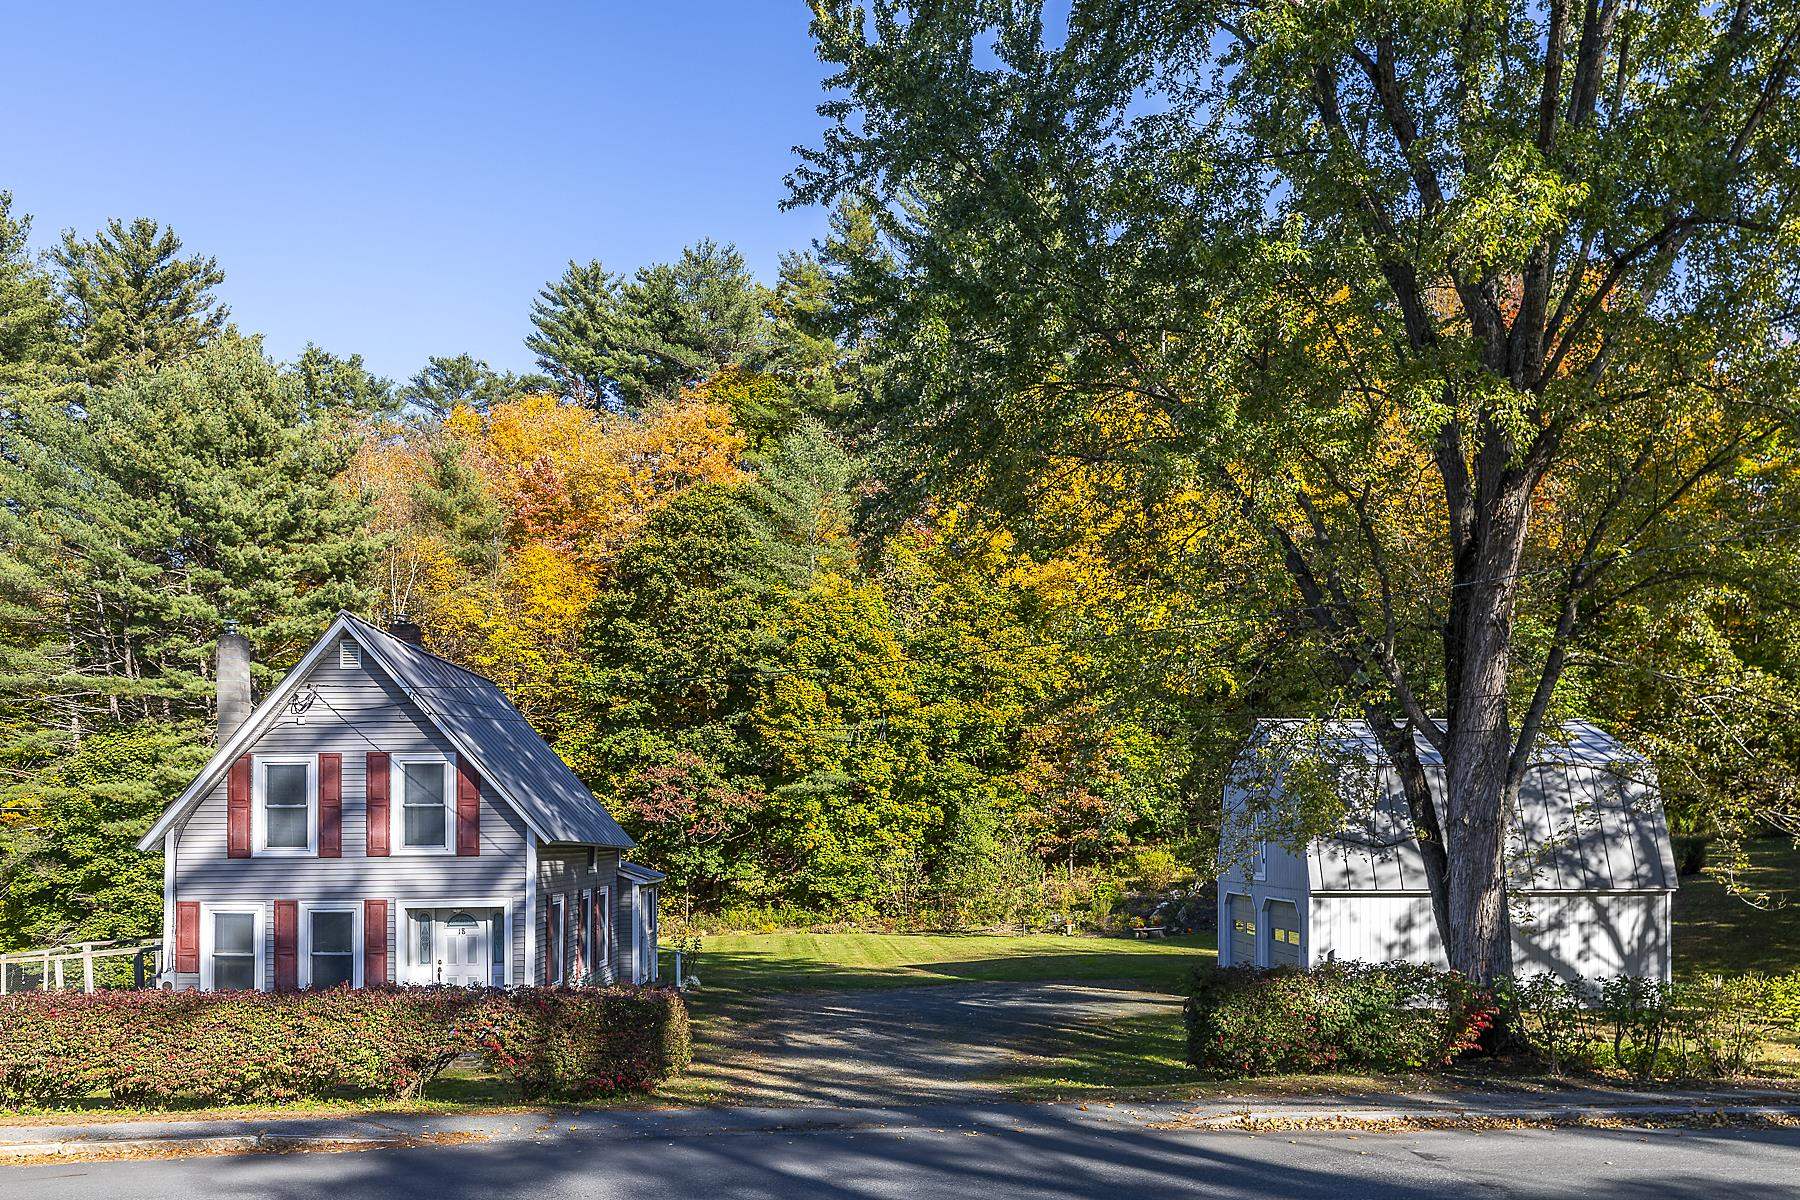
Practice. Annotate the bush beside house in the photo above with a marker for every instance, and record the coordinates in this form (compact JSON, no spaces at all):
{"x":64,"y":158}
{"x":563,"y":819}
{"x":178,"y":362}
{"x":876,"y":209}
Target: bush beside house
{"x":161,"y":1048}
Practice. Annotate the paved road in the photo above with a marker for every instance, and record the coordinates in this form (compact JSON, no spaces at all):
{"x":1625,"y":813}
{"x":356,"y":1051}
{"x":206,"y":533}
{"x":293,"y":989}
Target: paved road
{"x":1047,"y":1153}
{"x":907,"y":1045}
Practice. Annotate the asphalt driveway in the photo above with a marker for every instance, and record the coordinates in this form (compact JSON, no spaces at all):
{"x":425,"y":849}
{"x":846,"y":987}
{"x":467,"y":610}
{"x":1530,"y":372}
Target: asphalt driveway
{"x":905,"y":1045}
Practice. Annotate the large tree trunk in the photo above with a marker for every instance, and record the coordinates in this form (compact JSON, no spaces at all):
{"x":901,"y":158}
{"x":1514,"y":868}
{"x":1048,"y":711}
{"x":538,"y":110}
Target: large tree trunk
{"x":1478,"y":750}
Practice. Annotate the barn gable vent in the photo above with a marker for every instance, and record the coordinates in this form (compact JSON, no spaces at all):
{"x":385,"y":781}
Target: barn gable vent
{"x":349,"y":654}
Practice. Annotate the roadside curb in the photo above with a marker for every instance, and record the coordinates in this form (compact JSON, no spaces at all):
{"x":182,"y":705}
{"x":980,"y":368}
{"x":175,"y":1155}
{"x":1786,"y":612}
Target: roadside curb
{"x":340,"y":1136}
{"x":186,"y":1145}
{"x":1396,"y":1119}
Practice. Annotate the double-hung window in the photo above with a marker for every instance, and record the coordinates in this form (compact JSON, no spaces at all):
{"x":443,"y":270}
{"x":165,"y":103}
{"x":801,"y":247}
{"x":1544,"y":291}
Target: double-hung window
{"x":602,"y":951}
{"x":424,"y":812}
{"x":286,"y":810}
{"x":231,"y":949}
{"x":328,"y":942}
{"x":553,"y":942}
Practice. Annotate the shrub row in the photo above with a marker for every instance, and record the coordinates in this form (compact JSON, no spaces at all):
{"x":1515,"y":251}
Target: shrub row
{"x":1397,"y":1016}
{"x":1713,"y":1026}
{"x":156,"y":1048}
{"x":1381,"y":1016}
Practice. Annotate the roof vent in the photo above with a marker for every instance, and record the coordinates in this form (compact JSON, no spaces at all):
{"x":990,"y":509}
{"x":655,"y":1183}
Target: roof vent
{"x":405,"y":630}
{"x":349,"y":654}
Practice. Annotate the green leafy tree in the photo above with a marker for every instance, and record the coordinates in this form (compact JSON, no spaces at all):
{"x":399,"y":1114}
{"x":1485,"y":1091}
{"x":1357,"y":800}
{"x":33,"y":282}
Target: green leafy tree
{"x":672,"y":647}
{"x":69,"y":865}
{"x":131,"y":299}
{"x":1476,"y":318}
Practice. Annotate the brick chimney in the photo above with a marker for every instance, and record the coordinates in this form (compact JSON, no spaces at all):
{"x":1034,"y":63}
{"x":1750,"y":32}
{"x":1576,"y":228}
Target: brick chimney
{"x":404,"y":629}
{"x":233,"y":681}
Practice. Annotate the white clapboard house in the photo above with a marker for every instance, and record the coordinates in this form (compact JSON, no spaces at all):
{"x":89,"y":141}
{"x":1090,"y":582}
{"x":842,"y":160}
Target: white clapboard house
{"x":386,"y":816}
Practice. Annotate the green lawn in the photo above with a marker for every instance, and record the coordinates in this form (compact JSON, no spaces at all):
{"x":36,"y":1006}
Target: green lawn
{"x":1716,"y":931}
{"x":745,"y":965}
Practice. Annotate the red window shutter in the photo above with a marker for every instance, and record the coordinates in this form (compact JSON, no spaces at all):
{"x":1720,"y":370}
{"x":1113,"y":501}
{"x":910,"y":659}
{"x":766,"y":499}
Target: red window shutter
{"x":287,"y":945}
{"x":468,"y":809}
{"x":187,"y":937}
{"x":237,"y":809}
{"x":331,"y":805}
{"x":375,"y":939}
{"x":376,"y":793}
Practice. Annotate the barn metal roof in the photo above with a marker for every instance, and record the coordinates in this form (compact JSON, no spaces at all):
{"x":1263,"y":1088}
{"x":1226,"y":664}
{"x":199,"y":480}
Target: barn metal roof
{"x":473,"y":711}
{"x":1589,"y":819}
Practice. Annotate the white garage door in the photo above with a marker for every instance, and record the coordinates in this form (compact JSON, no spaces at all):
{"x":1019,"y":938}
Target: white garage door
{"x":1284,"y":934}
{"x":1242,"y":933}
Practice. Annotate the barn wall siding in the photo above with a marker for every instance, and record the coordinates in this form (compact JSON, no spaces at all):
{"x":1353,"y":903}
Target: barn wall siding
{"x":1373,"y":928}
{"x":1587,"y":936}
{"x":357,"y":710}
{"x":1574,"y":936}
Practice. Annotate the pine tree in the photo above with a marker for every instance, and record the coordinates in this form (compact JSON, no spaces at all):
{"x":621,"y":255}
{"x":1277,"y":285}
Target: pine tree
{"x":341,"y":385}
{"x":578,"y":332}
{"x":31,"y":344}
{"x":444,"y":383}
{"x":132,"y":301}
{"x":136,"y":523}
{"x":629,"y":342}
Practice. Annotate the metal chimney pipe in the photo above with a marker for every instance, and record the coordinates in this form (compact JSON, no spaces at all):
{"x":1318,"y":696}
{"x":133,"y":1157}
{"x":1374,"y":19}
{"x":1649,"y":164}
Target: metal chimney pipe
{"x":233,"y":681}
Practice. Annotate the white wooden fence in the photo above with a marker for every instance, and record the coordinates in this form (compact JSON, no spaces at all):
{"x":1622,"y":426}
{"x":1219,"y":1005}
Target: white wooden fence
{"x":60,"y":968}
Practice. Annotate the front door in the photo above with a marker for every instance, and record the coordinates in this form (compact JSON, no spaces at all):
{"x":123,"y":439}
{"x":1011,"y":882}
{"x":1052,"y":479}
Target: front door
{"x":462,"y":946}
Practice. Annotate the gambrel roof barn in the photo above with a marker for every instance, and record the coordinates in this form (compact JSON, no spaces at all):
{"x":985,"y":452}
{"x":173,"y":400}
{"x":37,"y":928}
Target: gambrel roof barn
{"x":1590,"y":869}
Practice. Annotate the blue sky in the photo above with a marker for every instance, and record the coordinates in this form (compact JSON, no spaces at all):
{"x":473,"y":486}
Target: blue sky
{"x":398,"y":179}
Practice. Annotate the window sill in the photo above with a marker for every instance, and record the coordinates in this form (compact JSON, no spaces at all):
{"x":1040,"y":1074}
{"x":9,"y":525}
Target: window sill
{"x":284,"y":852}
{"x":423,"y":851}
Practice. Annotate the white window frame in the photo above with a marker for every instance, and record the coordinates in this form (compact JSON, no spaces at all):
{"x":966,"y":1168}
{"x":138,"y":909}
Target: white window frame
{"x":581,"y":933}
{"x":258,"y":936}
{"x":397,"y":765}
{"x":559,"y":921}
{"x":603,"y":929}
{"x":409,"y":970}
{"x":259,"y":794}
{"x":1261,"y":864}
{"x":355,"y":909}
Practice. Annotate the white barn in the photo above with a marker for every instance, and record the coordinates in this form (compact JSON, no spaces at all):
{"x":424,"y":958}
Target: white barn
{"x":1591,"y":872}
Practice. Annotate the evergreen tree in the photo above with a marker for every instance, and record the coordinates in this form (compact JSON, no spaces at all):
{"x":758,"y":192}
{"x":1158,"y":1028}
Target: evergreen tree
{"x":31,"y":343}
{"x":578,"y":332}
{"x":131,"y":300}
{"x":443,"y":383}
{"x":329,"y":383}
{"x":629,"y":342}
{"x":136,"y":523}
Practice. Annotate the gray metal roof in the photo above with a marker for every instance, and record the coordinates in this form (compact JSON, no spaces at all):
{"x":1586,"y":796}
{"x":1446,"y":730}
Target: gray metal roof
{"x":1589,"y":819}
{"x":472,"y":709}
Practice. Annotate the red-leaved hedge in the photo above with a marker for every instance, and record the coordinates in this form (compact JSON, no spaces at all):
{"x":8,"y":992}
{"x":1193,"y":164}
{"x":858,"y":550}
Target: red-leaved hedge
{"x":158,"y":1048}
